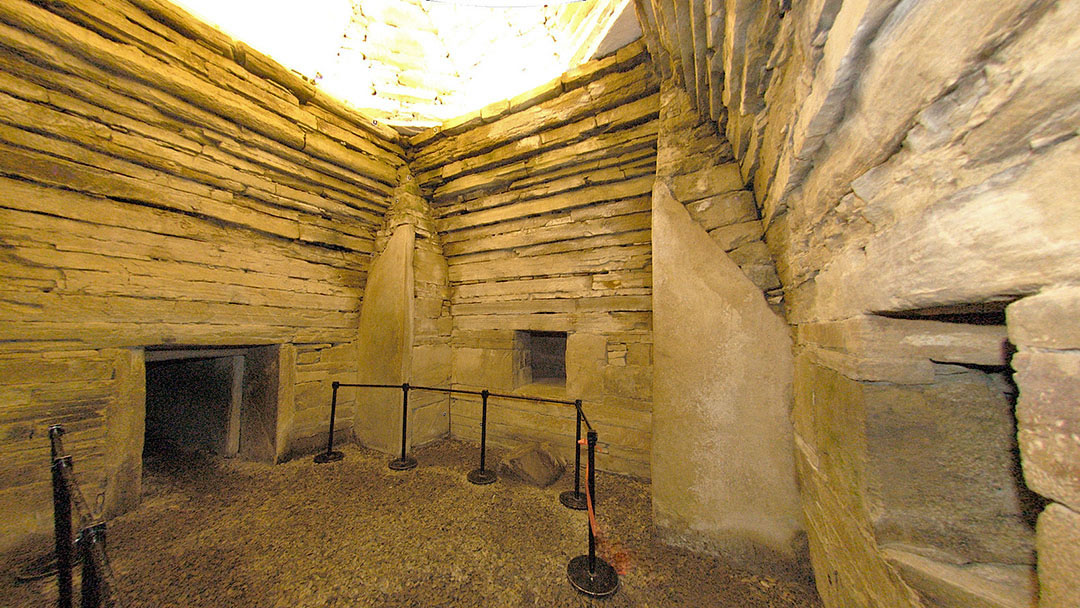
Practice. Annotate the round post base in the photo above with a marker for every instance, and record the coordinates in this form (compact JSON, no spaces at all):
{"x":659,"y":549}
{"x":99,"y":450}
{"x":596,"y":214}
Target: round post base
{"x":403,"y":464}
{"x":601,"y":583}
{"x":482,"y":478}
{"x":573,"y":500}
{"x":326,"y":457}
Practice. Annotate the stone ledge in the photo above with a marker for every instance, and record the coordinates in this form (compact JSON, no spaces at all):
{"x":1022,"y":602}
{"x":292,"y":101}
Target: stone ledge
{"x":966,"y":586}
{"x":1046,"y":320}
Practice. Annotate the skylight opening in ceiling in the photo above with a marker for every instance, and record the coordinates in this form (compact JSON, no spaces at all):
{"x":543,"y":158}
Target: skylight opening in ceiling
{"x":418,"y":63}
{"x":505,"y":3}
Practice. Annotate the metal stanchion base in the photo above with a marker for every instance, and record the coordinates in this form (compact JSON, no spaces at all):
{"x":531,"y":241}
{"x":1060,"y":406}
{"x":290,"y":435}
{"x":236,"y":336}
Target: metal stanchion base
{"x":601,"y":583}
{"x":326,"y":457}
{"x":573,"y":500}
{"x":403,"y":464}
{"x":482,"y":478}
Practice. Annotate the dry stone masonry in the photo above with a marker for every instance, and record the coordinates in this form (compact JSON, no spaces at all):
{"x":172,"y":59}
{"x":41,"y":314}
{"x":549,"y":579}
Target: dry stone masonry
{"x":910,"y":161}
{"x":156,"y":191}
{"x":812,"y":266}
{"x":543,"y":210}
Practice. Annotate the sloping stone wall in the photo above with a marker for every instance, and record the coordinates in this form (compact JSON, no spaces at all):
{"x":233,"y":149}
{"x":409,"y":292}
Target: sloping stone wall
{"x":160,"y":184}
{"x":722,"y":453}
{"x":910,"y":159}
{"x":543,"y":211}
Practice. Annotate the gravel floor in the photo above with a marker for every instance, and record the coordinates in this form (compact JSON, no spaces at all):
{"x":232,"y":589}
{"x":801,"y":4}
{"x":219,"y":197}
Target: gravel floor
{"x":214,"y":532}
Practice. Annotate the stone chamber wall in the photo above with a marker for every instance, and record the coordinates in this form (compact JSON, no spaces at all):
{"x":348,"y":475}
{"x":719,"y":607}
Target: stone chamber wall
{"x":542,"y":205}
{"x":915,"y":168}
{"x":161,"y":185}
{"x":723,"y":472}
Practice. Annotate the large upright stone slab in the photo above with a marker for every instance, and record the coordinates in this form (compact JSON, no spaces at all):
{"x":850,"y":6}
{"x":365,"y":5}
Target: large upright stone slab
{"x":125,"y":433}
{"x":722,"y":451}
{"x":1059,"y":557}
{"x":385,"y":346}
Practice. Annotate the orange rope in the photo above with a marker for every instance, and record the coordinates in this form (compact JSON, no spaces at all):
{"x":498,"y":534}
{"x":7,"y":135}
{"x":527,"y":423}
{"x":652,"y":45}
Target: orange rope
{"x":621,"y":560}
{"x":588,"y":498}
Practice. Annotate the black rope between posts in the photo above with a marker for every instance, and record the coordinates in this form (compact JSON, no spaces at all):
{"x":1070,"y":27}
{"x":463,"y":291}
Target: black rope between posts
{"x":98,"y":587}
{"x":589,"y":574}
{"x":404,"y":461}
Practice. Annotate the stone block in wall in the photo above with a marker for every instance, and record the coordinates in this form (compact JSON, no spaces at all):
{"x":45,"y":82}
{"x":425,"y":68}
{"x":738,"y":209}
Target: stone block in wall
{"x":848,"y":568}
{"x":630,"y":381}
{"x":883,"y":338}
{"x":677,"y":108}
{"x":430,"y":365}
{"x":736,"y":235}
{"x":639,"y":354}
{"x":314,"y":396}
{"x":484,"y":338}
{"x":677,"y":159}
{"x":484,"y":367}
{"x":869,"y":367}
{"x":428,"y":307}
{"x":586,"y":357}
{"x":125,"y":428}
{"x":976,"y":585}
{"x":283,"y":368}
{"x":1059,"y":557}
{"x":723,"y":209}
{"x":756,"y":263}
{"x":942,"y":471}
{"x":836,"y":435}
{"x":1046,"y":320}
{"x":711,"y":180}
{"x":1048,"y":422}
{"x":429,"y":421}
{"x":429,"y":267}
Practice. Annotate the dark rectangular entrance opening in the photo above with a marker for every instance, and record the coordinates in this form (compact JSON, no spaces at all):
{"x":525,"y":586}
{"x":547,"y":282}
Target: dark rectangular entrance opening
{"x":221,"y":401}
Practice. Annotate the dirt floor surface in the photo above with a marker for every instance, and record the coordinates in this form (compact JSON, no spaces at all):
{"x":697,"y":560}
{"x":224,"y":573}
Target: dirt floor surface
{"x":213,"y":532}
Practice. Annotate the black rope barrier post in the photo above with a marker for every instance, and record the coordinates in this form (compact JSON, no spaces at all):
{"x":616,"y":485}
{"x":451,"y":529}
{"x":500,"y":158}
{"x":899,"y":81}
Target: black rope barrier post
{"x":330,"y":455}
{"x":575,"y":499}
{"x":405,"y":462}
{"x":590,"y":574}
{"x":482,"y":476}
{"x":62,"y":529}
{"x":92,"y":576}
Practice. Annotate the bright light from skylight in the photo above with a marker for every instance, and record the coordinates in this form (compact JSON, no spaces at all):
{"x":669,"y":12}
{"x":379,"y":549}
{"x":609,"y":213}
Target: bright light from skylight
{"x":303,"y":36}
{"x":418,"y":62}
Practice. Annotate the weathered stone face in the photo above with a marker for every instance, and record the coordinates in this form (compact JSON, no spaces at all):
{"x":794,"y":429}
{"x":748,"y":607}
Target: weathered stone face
{"x":723,"y":475}
{"x":886,"y":176}
{"x":1059,"y":558}
{"x":901,"y":169}
{"x":543,"y":213}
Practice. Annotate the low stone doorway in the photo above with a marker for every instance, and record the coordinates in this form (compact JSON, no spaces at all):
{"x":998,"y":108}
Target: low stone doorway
{"x":219,"y":400}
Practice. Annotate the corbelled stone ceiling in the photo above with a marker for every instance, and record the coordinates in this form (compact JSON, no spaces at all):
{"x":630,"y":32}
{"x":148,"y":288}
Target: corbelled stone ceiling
{"x":417,"y":63}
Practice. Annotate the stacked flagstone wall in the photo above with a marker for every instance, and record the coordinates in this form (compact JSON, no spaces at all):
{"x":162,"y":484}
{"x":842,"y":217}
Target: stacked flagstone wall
{"x":542,"y":205}
{"x":164,"y":186}
{"x":914,"y":165}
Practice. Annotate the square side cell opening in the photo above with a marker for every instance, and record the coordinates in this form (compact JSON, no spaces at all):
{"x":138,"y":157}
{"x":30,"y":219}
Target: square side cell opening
{"x":540,"y":357}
